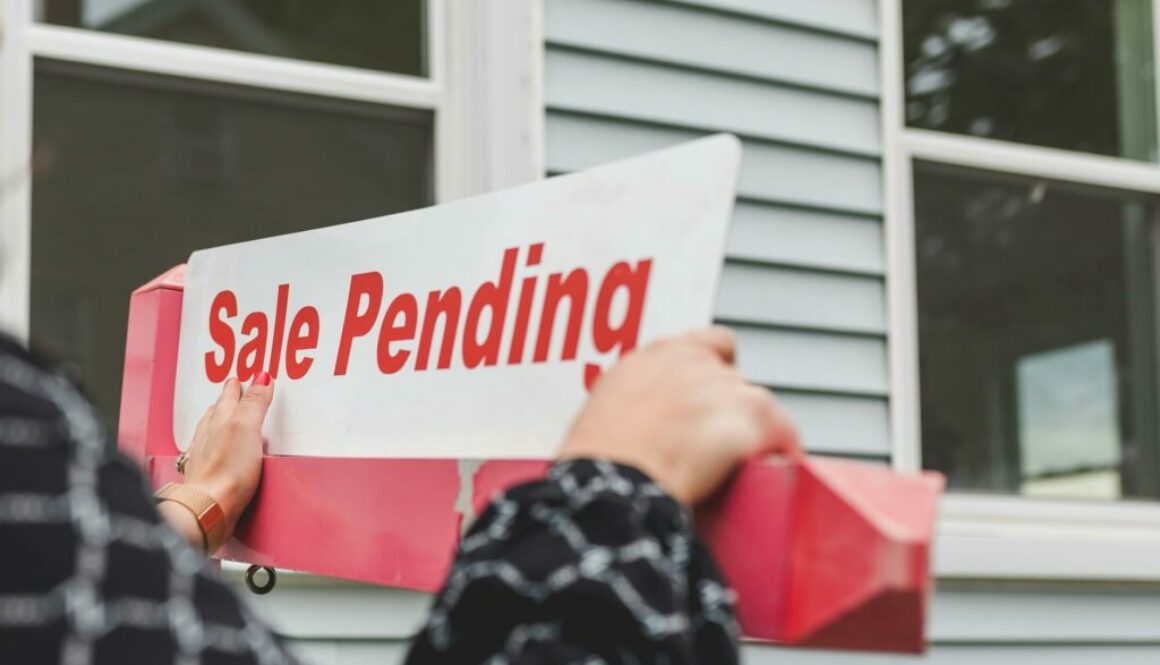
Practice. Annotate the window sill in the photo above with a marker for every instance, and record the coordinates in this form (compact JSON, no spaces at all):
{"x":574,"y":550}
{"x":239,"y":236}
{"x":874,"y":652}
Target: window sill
{"x":1007,"y":538}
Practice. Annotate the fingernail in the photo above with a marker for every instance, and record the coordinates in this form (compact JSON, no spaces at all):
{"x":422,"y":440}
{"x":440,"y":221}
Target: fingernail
{"x":262,"y":379}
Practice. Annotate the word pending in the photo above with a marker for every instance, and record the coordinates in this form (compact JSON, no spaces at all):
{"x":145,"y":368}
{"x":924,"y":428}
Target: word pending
{"x":406,"y":335}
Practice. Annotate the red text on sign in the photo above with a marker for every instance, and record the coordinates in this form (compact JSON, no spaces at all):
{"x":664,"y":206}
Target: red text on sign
{"x":547,"y":320}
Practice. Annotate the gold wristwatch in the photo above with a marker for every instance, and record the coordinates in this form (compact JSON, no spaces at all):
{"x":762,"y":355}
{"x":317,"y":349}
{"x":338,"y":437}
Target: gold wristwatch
{"x":210,"y":517}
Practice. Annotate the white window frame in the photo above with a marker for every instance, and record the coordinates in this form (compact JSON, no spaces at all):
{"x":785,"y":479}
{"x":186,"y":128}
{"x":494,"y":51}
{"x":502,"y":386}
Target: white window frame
{"x":986,"y":536}
{"x":485,"y":89}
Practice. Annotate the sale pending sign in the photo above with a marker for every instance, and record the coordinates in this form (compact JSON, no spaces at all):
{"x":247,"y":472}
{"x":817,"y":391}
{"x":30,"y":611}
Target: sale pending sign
{"x":466,"y":330}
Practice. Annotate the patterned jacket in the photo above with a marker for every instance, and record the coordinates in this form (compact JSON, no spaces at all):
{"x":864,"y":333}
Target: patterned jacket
{"x":594,"y":564}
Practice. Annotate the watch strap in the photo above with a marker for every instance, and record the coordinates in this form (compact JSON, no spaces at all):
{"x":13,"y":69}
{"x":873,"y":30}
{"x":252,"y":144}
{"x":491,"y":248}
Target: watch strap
{"x":209,"y":515}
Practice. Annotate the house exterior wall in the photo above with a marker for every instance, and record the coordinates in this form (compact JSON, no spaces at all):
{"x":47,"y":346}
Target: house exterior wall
{"x":345,"y":624}
{"x":803,"y":283}
{"x":804,"y":287}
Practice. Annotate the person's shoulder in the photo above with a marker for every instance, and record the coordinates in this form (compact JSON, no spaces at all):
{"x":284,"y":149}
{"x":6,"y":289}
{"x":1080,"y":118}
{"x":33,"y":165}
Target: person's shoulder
{"x":22,"y":375}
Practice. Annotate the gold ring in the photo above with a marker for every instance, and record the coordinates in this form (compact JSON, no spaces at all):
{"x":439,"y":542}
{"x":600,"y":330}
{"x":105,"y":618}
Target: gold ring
{"x":180,"y":462}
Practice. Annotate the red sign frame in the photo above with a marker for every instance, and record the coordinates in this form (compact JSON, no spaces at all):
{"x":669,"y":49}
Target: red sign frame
{"x":824,"y":553}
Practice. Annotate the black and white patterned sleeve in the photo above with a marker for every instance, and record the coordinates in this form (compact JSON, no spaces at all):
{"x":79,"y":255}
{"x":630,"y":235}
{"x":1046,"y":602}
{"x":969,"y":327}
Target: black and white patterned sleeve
{"x":90,"y":574}
{"x":594,"y":564}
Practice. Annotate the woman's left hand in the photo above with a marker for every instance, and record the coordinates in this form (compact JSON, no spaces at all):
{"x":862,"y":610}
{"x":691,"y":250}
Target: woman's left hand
{"x":225,"y":458}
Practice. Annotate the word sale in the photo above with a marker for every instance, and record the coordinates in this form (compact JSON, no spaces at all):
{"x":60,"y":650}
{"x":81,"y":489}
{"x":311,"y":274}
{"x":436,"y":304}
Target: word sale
{"x":403,"y":333}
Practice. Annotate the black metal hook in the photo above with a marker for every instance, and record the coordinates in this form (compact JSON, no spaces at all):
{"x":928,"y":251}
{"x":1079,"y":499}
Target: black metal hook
{"x":271,"y":579}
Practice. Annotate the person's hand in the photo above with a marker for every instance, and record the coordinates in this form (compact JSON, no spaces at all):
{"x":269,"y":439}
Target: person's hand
{"x":679,"y":411}
{"x":225,"y":458}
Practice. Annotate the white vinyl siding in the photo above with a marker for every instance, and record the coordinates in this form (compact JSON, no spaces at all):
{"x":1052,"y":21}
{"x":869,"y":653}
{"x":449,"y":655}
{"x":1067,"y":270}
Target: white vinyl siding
{"x":804,"y":283}
{"x":352,"y":625}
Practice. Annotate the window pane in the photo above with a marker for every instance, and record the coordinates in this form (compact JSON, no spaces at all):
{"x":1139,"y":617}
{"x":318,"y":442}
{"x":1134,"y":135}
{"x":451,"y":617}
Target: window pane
{"x":1036,"y":335}
{"x":1071,"y":75}
{"x":136,"y":172}
{"x":389,"y":36}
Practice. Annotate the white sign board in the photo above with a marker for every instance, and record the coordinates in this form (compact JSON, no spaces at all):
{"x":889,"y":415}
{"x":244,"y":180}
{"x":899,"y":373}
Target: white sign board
{"x":465,"y":330}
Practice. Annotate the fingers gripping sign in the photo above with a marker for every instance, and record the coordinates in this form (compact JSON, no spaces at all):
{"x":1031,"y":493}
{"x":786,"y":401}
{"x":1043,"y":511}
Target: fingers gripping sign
{"x":717,"y":339}
{"x":680,"y":411}
{"x":225,"y":456}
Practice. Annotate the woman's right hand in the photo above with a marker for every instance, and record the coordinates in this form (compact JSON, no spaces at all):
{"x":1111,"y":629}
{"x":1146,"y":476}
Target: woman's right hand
{"x":679,"y":411}
{"x":225,"y":456}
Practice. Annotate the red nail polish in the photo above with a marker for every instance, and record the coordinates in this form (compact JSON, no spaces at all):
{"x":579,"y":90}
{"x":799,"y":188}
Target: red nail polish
{"x":262,"y":379}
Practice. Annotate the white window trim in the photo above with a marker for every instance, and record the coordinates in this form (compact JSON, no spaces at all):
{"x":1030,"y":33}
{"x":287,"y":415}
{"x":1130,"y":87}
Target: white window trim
{"x":490,"y":131}
{"x":485,"y":89}
{"x":978,"y":536}
{"x":15,"y":155}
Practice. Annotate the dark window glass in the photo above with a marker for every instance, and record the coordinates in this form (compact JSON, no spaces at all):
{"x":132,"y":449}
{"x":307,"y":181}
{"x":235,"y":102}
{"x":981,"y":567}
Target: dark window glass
{"x":386,"y":35}
{"x":1036,"y":335}
{"x":133,"y":173}
{"x":1074,"y":75}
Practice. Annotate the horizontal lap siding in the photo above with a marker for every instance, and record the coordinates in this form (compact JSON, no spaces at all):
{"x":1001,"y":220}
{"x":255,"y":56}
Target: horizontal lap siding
{"x":803,"y":285}
{"x":380,"y":653}
{"x":583,"y":83}
{"x":720,"y":43}
{"x":995,"y":616}
{"x":352,"y":625}
{"x":857,"y":19}
{"x":759,"y":293}
{"x":776,"y":173}
{"x":821,"y":240}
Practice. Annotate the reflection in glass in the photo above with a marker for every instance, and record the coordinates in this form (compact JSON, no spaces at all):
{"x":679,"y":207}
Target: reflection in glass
{"x":1071,"y":75}
{"x":137,"y":172}
{"x":1036,"y":335}
{"x":1069,"y":421}
{"x":383,"y":35}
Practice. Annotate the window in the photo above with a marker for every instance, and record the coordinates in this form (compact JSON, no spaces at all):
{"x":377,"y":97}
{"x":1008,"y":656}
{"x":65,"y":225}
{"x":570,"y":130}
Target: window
{"x":155,"y":168}
{"x":1072,"y":75}
{"x":371,"y":34}
{"x":133,"y":132}
{"x":1023,"y":194}
{"x":1035,"y":335}
{"x":1035,"y":306}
